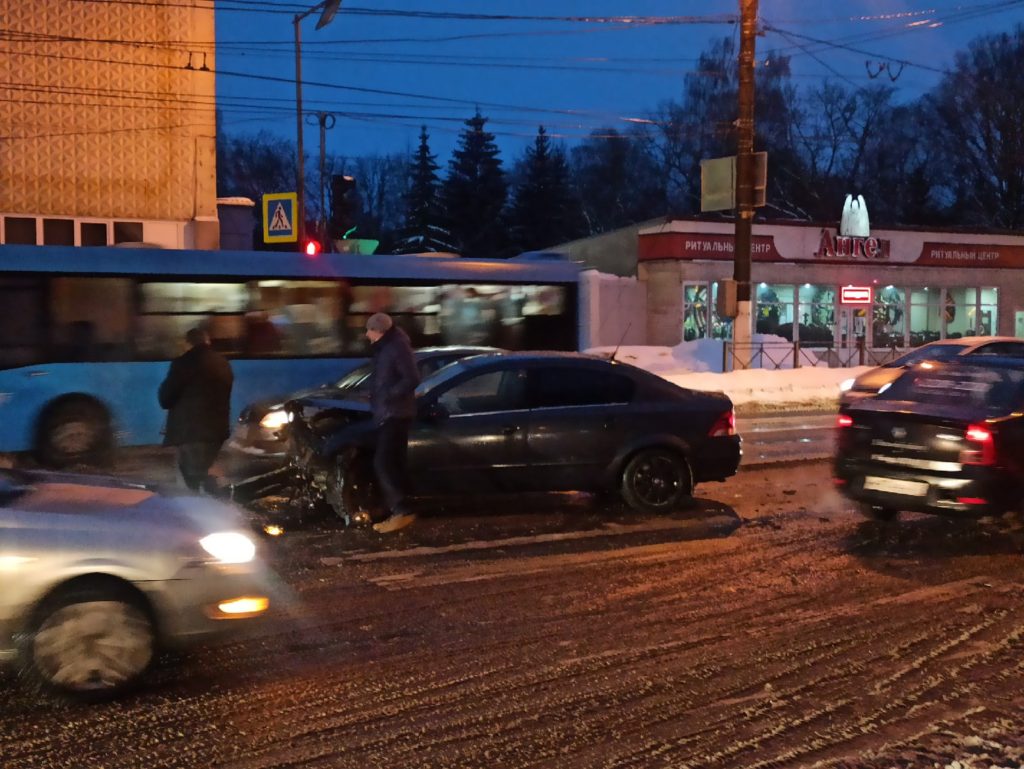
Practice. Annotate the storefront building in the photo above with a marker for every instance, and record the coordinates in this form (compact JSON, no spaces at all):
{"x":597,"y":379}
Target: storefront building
{"x":889,"y":288}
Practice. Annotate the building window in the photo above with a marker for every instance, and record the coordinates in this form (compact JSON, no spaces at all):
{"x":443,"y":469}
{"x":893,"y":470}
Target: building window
{"x":721,"y":328}
{"x":925,"y":315}
{"x":817,"y":314}
{"x":20,"y":230}
{"x":93,"y":233}
{"x":888,"y":318}
{"x":988,"y":311}
{"x":58,"y":232}
{"x":128,"y":232}
{"x":695,"y":312}
{"x":775,"y":310}
{"x":959,"y":311}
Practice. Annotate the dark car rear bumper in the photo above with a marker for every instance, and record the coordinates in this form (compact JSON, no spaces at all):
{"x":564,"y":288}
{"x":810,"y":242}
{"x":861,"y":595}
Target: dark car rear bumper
{"x":982,"y":491}
{"x":718,"y":459}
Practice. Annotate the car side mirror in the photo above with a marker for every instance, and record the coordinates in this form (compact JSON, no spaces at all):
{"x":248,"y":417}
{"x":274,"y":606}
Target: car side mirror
{"x":435,"y":412}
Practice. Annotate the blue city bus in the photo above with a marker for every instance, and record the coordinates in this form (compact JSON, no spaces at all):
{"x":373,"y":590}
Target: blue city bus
{"x":86,"y":333}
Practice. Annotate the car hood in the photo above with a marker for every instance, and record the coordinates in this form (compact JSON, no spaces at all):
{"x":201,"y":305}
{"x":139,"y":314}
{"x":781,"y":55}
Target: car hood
{"x":262,"y":407}
{"x":109,"y":500}
{"x":877,"y":378}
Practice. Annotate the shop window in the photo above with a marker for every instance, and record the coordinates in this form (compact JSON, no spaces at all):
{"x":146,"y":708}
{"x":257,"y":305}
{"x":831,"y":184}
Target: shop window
{"x":93,"y":233}
{"x":721,"y":328}
{"x":775,"y":310}
{"x":58,"y":232}
{"x":926,"y":314}
{"x":20,"y":230}
{"x":960,"y":311}
{"x":91,"y":319}
{"x":128,"y":232}
{"x":988,"y":311}
{"x":695,"y":312}
{"x":817,"y":314}
{"x":889,"y":317}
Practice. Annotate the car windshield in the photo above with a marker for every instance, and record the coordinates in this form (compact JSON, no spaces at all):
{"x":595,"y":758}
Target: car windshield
{"x":355,"y":378}
{"x":929,"y":352}
{"x":992,"y":390}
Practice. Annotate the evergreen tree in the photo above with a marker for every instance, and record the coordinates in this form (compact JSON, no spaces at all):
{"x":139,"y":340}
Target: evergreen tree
{"x":422,"y":231}
{"x":545,"y":212}
{"x":475,"y":191}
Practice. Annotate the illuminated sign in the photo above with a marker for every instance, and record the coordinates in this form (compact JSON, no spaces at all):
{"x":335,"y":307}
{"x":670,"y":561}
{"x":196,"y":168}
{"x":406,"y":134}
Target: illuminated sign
{"x":855,"y":294}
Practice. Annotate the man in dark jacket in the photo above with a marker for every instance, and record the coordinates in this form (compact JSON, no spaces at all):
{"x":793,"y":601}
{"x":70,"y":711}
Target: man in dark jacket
{"x":393,"y":403}
{"x":197,"y":395}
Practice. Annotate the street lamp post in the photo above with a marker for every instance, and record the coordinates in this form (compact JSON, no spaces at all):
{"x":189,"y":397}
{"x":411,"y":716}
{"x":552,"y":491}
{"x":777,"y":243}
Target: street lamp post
{"x":327,"y":8}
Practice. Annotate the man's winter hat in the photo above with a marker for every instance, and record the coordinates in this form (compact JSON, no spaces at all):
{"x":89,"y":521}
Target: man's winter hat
{"x":379,"y":321}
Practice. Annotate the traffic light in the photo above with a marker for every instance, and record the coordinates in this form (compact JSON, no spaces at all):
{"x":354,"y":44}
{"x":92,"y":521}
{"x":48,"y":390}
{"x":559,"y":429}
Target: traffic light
{"x":344,"y":206}
{"x":312,"y":248}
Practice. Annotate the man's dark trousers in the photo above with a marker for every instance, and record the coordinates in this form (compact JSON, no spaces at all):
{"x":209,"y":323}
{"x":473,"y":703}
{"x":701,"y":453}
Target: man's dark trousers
{"x":195,"y":461}
{"x":389,"y":462}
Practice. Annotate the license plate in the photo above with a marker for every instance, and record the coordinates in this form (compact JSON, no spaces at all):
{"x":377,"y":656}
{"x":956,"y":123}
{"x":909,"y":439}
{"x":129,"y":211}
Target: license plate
{"x":895,"y":486}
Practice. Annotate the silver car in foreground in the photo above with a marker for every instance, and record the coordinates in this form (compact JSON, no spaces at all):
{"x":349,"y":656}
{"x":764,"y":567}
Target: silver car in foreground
{"x":98,"y":575}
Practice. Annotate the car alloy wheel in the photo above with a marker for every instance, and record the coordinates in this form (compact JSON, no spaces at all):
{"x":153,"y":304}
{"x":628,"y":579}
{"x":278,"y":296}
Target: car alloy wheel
{"x":92,"y":646}
{"x":656,"y":481}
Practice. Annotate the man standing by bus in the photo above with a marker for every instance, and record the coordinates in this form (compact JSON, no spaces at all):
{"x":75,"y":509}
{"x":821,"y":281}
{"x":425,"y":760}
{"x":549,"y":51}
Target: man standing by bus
{"x":393,"y":403}
{"x":197,"y":395}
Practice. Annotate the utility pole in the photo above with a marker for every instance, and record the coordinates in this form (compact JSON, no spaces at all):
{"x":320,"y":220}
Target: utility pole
{"x":327,"y":8}
{"x":326,"y":122}
{"x":742,"y":324}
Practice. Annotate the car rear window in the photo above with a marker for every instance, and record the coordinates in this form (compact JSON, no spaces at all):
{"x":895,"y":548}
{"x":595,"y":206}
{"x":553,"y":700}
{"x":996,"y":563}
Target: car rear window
{"x":993,"y":390}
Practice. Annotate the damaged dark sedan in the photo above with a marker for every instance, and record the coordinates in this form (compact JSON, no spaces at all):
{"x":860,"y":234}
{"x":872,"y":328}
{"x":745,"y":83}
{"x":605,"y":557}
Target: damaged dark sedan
{"x":528,"y":422}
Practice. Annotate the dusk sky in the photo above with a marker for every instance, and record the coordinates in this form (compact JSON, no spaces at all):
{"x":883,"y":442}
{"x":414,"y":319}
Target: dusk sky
{"x":541,"y":66}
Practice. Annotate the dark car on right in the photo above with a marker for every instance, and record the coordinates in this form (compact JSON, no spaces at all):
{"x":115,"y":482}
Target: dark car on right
{"x":946,"y":438}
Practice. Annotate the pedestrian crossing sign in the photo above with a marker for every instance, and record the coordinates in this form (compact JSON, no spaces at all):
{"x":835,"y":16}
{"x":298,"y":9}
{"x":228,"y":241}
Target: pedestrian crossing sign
{"x":279,"y":209}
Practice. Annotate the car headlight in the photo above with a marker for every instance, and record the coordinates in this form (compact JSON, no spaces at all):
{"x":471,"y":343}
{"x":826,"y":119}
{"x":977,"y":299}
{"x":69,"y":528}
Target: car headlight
{"x":229,"y":547}
{"x":846,"y":384}
{"x":276,"y":419}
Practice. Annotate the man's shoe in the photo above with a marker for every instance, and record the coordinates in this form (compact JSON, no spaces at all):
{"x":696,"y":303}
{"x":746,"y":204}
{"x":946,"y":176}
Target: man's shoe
{"x":394,"y":522}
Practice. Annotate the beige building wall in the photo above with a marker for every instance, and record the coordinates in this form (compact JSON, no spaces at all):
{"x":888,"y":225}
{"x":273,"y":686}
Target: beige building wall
{"x":107,"y":112}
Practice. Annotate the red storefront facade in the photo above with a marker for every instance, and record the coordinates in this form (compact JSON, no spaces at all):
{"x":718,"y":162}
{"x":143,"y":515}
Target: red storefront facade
{"x":892,"y":288}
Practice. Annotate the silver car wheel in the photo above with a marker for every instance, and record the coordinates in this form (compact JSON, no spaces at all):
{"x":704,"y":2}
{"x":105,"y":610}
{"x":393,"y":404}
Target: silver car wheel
{"x":93,"y":646}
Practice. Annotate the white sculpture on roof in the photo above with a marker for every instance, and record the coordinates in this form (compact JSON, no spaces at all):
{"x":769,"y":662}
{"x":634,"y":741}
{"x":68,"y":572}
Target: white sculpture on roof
{"x":854,"y":222}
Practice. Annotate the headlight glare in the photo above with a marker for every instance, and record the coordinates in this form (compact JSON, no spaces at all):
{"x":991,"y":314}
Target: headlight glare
{"x":846,"y":384}
{"x":276,"y":419}
{"x":229,"y":547}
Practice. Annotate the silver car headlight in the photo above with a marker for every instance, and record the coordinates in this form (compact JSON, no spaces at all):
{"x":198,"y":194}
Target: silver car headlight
{"x":276,"y":419}
{"x":229,"y":547}
{"x":846,"y":384}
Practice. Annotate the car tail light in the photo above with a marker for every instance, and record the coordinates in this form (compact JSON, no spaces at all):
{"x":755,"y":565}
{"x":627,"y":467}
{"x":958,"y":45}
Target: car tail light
{"x":844,"y":420}
{"x":982,"y":446}
{"x":724,"y":425}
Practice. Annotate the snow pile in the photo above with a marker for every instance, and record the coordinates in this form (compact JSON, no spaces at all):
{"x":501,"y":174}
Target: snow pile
{"x":697,"y":365}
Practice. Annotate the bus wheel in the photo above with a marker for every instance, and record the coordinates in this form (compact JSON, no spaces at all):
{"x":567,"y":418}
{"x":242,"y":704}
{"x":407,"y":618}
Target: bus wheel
{"x":74,"y":431}
{"x":352,"y":490}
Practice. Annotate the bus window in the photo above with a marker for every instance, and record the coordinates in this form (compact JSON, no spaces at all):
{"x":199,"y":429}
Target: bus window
{"x":21,"y":322}
{"x":303,"y":316}
{"x":168,"y":309}
{"x":90,"y":319}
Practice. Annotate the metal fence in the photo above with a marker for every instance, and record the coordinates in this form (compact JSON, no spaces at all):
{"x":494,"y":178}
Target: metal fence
{"x":779,"y":355}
